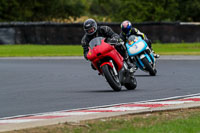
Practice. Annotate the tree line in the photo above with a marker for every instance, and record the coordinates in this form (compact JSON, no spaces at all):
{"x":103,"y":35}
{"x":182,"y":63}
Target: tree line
{"x":101,"y":10}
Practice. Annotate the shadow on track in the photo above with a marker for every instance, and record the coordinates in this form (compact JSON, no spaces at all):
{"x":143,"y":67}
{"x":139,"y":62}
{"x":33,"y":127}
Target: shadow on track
{"x":145,"y":76}
{"x":101,"y":91}
{"x":142,"y":76}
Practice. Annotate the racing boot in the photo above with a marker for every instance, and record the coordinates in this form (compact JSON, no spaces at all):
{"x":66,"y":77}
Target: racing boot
{"x":131,"y":67}
{"x":155,"y":55}
{"x":148,"y":41}
{"x":92,"y":66}
{"x":136,"y":67}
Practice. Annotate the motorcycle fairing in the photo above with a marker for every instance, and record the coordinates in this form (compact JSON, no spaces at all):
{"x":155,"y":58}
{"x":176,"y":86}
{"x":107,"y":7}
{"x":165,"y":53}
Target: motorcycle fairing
{"x":104,"y":51}
{"x":134,"y":48}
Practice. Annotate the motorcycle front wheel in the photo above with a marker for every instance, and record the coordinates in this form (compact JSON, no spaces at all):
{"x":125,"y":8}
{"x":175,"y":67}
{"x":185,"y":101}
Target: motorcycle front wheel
{"x":112,"y":79}
{"x":148,"y":67}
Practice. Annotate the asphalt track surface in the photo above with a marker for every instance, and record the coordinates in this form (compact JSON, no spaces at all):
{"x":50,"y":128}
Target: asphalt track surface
{"x":30,"y":86}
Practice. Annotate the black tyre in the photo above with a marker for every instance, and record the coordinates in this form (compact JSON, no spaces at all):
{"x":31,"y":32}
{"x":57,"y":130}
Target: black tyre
{"x":148,"y":67}
{"x":131,"y":85}
{"x":112,"y":79}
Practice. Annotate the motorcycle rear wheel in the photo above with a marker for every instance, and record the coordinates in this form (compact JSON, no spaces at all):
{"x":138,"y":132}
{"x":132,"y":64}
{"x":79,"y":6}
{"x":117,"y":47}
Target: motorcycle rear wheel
{"x":131,"y":85}
{"x":148,"y":67}
{"x":112,"y":79}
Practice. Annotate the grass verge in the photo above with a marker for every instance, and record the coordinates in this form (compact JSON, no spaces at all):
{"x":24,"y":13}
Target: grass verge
{"x":177,"y":48}
{"x":40,"y":50}
{"x":179,"y":121}
{"x":76,"y":50}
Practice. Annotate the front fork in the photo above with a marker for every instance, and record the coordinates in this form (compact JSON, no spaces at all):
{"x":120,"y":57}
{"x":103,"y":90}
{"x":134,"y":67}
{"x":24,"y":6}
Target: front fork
{"x":122,"y":74}
{"x":113,"y":67}
{"x":148,"y":55}
{"x":125,"y":75}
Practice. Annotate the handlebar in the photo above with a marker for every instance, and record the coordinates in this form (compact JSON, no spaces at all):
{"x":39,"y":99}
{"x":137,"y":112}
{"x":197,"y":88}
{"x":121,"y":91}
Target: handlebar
{"x":116,"y":43}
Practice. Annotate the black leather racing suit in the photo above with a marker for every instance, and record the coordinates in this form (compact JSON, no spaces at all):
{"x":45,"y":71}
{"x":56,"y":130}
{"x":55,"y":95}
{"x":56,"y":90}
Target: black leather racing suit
{"x":135,"y":31}
{"x":102,"y":31}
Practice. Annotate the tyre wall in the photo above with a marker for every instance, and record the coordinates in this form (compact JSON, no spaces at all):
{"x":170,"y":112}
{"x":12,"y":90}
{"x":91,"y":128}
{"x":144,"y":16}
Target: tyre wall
{"x":61,"y":33}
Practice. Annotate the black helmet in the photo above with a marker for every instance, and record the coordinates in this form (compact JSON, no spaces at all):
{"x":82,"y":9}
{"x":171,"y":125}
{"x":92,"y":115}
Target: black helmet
{"x":90,"y":26}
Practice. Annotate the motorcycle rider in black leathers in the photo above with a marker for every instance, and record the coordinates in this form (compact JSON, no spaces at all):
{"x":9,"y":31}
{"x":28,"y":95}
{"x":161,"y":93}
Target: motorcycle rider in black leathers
{"x":92,"y":30}
{"x":127,"y":30}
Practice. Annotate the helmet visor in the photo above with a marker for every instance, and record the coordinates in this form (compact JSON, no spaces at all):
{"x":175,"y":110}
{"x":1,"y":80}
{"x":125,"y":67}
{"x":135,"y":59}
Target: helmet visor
{"x":90,"y":31}
{"x":126,"y":30}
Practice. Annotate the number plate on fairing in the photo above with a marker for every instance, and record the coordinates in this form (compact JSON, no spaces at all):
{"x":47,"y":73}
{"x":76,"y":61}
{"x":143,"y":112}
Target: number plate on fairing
{"x":136,"y":48}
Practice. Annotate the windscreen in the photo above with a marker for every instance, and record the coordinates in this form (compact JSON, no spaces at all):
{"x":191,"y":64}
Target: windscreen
{"x":96,"y":41}
{"x":132,"y":38}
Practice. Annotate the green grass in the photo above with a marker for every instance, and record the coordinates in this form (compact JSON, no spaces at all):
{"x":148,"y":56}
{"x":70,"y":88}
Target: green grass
{"x":177,"y":49}
{"x":40,"y":50}
{"x":179,"y":125}
{"x":76,"y":50}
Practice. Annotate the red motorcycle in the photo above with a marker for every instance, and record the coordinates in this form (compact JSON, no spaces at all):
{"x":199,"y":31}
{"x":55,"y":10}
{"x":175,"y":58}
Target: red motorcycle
{"x":106,"y":59}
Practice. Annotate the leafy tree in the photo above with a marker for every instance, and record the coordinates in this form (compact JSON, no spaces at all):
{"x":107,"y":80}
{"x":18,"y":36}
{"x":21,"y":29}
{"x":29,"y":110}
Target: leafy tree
{"x":106,"y":8}
{"x":39,"y":10}
{"x":115,"y":10}
{"x":8,"y":7}
{"x":130,"y":10}
{"x":162,"y":10}
{"x":154,"y":10}
{"x":189,"y":10}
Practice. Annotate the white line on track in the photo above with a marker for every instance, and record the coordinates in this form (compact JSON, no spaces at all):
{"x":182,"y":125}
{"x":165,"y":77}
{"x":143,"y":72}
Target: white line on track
{"x":104,"y":106}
